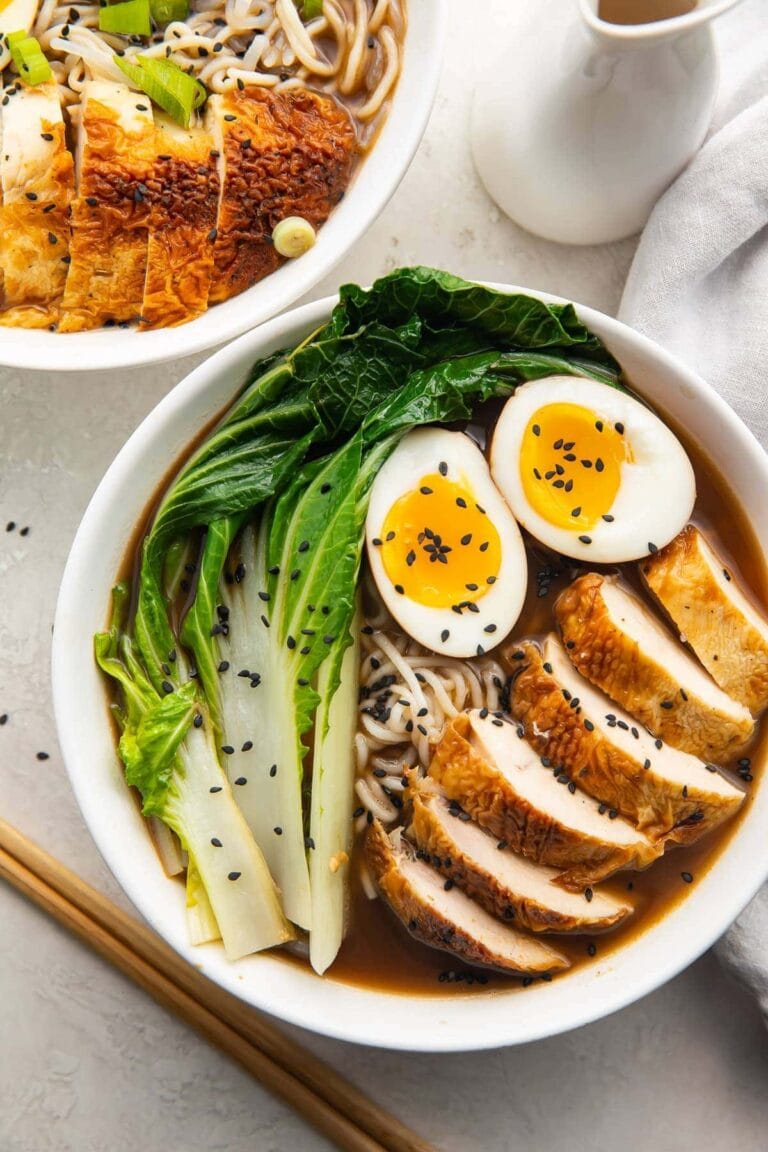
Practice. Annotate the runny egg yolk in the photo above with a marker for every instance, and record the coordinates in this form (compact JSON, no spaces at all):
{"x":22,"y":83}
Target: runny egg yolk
{"x":570,"y":465}
{"x":438,"y":546}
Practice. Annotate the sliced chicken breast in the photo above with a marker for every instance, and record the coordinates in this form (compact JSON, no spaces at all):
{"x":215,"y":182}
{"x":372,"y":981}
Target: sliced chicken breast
{"x":442,"y":916}
{"x":666,"y":792}
{"x":37,"y":184}
{"x":504,"y":883}
{"x":110,"y":215}
{"x":620,"y":646}
{"x":487,"y":767}
{"x":184,"y":188}
{"x":284,"y":154}
{"x":713,"y":615}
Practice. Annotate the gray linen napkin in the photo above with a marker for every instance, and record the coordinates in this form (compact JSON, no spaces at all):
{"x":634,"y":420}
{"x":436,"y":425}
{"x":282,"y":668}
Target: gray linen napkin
{"x":699,"y":285}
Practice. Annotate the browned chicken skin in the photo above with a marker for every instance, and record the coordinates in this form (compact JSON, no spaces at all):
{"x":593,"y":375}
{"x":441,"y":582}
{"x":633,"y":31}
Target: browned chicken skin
{"x":619,"y":646}
{"x":495,"y":775}
{"x":504,"y":883}
{"x":667,"y":793}
{"x":110,"y":216}
{"x":444,"y":917}
{"x":713,"y":616}
{"x":284,"y":154}
{"x":37,"y":185}
{"x":184,"y":203}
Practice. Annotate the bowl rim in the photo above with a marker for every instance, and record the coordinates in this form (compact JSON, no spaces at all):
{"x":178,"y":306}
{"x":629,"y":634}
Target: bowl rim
{"x":434,"y":1022}
{"x":375,"y":182}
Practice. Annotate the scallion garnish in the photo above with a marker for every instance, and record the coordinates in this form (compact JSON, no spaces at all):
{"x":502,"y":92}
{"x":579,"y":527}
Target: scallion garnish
{"x":166,"y":84}
{"x":311,"y":9}
{"x":166,"y":11}
{"x":130,"y":18}
{"x":27,"y":55}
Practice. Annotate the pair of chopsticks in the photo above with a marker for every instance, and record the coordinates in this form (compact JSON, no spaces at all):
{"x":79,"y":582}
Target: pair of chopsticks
{"x":345,"y":1115}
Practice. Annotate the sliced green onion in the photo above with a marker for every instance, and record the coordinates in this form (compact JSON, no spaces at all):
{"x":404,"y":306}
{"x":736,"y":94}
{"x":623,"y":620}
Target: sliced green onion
{"x":311,"y":8}
{"x":166,"y":11}
{"x":166,"y":84}
{"x":131,"y":18}
{"x":293,"y":237}
{"x":12,"y":38}
{"x":28,"y":56}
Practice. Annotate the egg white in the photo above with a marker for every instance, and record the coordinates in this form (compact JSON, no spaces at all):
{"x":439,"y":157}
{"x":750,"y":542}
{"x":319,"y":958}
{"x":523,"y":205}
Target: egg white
{"x":657,"y":487}
{"x":418,"y":455}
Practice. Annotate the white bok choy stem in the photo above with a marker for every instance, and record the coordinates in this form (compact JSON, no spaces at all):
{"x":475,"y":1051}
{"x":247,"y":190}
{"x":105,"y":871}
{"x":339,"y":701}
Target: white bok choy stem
{"x":259,"y":726}
{"x":333,"y":780}
{"x":201,"y":922}
{"x":222,"y":850}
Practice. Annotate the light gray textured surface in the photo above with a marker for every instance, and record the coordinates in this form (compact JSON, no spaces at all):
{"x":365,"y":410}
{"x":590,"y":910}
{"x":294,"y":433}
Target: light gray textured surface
{"x":87,"y":1062}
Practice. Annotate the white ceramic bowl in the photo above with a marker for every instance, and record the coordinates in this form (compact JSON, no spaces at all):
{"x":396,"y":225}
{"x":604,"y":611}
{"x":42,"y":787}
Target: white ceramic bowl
{"x":437,"y":1022}
{"x":373,"y":185}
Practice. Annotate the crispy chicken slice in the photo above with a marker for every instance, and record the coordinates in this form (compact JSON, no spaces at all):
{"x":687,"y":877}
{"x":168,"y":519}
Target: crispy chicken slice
{"x":37,"y":184}
{"x":713,"y":615}
{"x":666,"y":792}
{"x":504,"y":883}
{"x":446,"y":918}
{"x":184,"y":198}
{"x":487,"y":767}
{"x":110,"y":216}
{"x":620,"y":646}
{"x":284,"y":154}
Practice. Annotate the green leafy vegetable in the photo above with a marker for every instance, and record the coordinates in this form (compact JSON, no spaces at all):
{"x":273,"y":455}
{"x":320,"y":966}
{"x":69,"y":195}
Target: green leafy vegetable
{"x":171,"y":758}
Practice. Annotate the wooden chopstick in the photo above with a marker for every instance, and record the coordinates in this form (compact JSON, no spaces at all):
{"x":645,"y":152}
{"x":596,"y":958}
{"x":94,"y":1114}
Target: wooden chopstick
{"x":323,"y":1097}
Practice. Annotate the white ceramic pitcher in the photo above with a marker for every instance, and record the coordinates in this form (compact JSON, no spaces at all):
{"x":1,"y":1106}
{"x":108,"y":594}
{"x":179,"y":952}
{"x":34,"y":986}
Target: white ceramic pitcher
{"x":579,"y":125}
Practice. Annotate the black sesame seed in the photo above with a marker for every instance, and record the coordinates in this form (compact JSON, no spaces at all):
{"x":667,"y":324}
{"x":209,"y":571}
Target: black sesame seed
{"x":591,"y":949}
{"x":585,"y":539}
{"x":652,"y":547}
{"x":687,"y":877}
{"x":667,"y":704}
{"x":536,"y":430}
{"x":43,"y":756}
{"x":223,"y":665}
{"x":589,"y":726}
{"x":588,"y":894}
{"x":198,"y":721}
{"x":277,"y":830}
{"x":234,"y":875}
{"x":576,"y":511}
{"x":167,"y":687}
{"x":247,"y":746}
{"x":608,"y":518}
{"x":461,"y":502}
{"x":241,"y":780}
{"x":646,"y":764}
{"x":227,"y":749}
{"x":215,"y":841}
{"x":619,"y":428}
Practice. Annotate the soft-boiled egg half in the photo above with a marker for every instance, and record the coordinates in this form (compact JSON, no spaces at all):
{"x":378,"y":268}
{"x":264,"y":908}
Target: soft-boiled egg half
{"x":445,"y":551}
{"x":589,"y":471}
